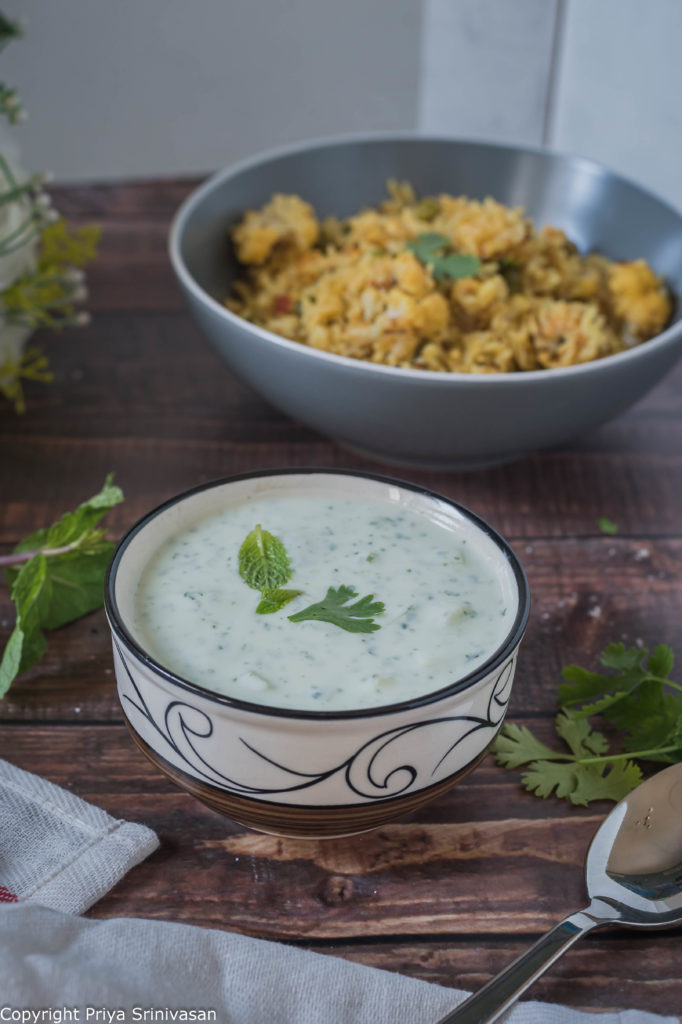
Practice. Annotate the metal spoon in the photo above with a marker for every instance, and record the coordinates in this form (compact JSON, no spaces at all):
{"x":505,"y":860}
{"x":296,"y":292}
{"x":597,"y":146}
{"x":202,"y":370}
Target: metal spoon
{"x":633,"y":873}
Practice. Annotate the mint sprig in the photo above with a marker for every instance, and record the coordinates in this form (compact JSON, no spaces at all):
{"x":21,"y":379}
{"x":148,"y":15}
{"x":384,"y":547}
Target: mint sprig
{"x":56,"y":575}
{"x":435,"y":251}
{"x":334,"y":608}
{"x":263,"y":561}
{"x":264,"y":565}
{"x":274,"y":600}
{"x":637,"y":697}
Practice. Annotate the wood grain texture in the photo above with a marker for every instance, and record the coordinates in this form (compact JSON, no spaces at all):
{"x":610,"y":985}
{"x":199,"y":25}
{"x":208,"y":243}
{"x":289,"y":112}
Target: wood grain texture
{"x":454,"y":891}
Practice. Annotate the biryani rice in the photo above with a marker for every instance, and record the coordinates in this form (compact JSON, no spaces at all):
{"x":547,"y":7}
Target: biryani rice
{"x":357,"y":289}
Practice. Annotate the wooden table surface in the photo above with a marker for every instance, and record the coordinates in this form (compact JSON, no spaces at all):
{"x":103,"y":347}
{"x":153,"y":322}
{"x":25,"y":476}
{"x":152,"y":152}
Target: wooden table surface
{"x":457,"y":890}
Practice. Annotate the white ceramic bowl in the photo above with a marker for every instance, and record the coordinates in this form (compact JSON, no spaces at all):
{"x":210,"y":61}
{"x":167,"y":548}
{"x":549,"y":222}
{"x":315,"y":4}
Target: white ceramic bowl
{"x":419,"y":417}
{"x":310,"y":773}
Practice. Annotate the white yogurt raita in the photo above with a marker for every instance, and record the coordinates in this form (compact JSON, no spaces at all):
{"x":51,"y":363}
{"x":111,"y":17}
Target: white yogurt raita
{"x":450,"y":601}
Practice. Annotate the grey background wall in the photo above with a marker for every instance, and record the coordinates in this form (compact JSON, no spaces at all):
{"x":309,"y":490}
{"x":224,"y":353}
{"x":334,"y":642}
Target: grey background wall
{"x":147,"y":87}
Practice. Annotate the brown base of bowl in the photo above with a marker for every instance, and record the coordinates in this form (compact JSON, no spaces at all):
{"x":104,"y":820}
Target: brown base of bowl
{"x":302,"y":822}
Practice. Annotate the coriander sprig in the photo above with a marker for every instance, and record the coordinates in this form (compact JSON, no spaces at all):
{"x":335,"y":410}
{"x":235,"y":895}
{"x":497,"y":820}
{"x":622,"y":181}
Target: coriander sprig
{"x":637,"y":696}
{"x":264,"y":565}
{"x":334,"y":608}
{"x":435,"y":251}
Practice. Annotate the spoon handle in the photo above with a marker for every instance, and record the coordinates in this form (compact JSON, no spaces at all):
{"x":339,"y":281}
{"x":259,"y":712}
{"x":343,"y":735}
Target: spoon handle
{"x":494,"y":998}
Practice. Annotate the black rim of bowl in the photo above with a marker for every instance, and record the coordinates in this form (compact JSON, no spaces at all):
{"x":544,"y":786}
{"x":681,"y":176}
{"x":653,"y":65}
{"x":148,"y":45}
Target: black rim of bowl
{"x":509,"y":644}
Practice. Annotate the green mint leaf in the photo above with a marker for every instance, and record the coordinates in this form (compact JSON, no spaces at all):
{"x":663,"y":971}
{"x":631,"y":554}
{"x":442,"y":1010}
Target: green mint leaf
{"x":75,"y":526}
{"x":77,"y":580}
{"x":62,"y":581}
{"x":274,"y":600}
{"x":435,"y":251}
{"x":31,"y":593}
{"x":607,"y":525}
{"x":334,"y":608}
{"x":516,"y":745}
{"x":263,"y":561}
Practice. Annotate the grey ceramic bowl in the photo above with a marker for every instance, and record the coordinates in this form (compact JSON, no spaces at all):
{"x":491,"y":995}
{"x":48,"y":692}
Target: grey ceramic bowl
{"x":417,"y":417}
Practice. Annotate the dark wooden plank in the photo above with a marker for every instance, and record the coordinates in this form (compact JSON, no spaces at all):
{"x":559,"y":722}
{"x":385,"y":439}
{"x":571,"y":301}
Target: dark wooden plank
{"x":604,"y":971}
{"x":429,"y":874}
{"x":421,"y":897}
{"x":558,"y":495}
{"x":585,"y":594}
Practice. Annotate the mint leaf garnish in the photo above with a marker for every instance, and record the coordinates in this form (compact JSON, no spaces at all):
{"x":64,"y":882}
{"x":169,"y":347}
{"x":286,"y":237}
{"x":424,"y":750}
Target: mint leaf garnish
{"x":263,"y":561}
{"x":56,"y":575}
{"x":334,"y":608}
{"x":274,"y":600}
{"x":435,"y":251}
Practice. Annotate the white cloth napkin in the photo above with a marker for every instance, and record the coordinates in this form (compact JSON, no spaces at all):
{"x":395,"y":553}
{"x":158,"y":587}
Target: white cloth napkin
{"x":60,"y":852}
{"x":56,"y":960}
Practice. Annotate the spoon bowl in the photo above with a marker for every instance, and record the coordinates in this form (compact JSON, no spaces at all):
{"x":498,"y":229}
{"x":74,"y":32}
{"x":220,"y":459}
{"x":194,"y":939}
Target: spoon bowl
{"x":633,"y":873}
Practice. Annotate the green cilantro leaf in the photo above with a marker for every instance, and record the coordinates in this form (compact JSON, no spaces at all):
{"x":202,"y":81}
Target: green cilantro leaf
{"x":607,"y":526}
{"x":435,"y":251}
{"x":274,"y":600}
{"x":582,"y":784}
{"x":263,"y":561}
{"x":517,"y":745}
{"x":579,"y":736}
{"x":334,"y":608}
{"x":56,"y":575}
{"x":661,"y":662}
{"x":637,"y":697}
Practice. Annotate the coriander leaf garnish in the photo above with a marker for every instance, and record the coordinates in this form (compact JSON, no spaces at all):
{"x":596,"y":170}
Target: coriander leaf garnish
{"x":274,"y":600}
{"x":582,"y":783}
{"x":56,"y":575}
{"x":263,"y":561}
{"x":607,"y":525}
{"x":334,"y":608}
{"x":638,"y":697}
{"x":435,"y":251}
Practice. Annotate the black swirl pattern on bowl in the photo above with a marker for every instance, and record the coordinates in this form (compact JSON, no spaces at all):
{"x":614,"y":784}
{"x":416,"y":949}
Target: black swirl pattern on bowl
{"x":374,"y":772}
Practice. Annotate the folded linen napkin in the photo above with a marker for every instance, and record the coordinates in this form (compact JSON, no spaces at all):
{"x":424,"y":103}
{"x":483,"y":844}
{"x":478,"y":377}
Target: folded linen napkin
{"x":58,"y":851}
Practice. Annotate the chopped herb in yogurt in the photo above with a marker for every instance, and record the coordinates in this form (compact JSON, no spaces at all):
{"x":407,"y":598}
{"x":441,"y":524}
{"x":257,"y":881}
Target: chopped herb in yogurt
{"x":310,"y":638}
